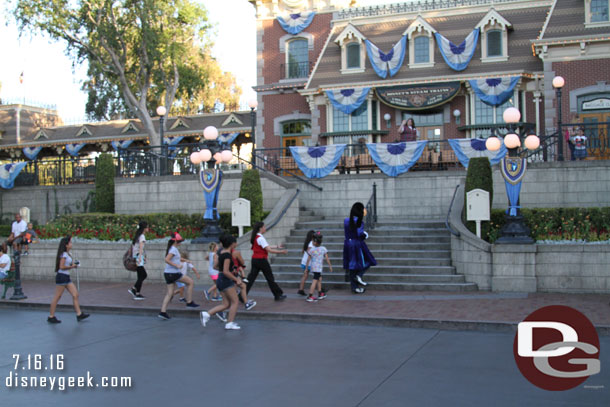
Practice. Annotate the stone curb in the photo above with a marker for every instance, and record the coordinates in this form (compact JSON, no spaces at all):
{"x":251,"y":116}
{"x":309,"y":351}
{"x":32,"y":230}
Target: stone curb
{"x":443,"y":325}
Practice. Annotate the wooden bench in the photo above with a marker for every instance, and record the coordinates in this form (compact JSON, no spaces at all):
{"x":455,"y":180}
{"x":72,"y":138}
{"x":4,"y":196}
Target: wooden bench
{"x":9,"y":280}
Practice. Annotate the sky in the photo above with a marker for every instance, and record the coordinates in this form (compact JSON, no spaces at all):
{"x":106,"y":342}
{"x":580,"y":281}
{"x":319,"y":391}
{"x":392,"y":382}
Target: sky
{"x":51,"y":79}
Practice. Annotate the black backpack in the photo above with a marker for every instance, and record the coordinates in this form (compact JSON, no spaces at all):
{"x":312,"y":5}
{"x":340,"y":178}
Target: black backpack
{"x":128,"y":261}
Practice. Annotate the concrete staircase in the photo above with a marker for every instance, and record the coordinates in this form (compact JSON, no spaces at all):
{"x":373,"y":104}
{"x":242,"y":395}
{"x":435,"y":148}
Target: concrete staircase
{"x":411,"y":255}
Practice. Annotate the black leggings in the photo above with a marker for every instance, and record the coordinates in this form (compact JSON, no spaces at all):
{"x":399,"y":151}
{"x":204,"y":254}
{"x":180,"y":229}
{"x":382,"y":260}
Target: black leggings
{"x":141,"y":277}
{"x":264,"y":266}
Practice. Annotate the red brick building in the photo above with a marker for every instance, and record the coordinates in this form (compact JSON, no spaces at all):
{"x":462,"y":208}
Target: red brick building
{"x":528,"y":42}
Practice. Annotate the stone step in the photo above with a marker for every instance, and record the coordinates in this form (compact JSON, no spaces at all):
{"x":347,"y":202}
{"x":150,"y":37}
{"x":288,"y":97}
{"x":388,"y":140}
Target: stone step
{"x":383,"y":269}
{"x":310,"y":217}
{"x":297,"y":244}
{"x":452,"y":287}
{"x":293,"y":238}
{"x":376,"y":233}
{"x":337,"y":261}
{"x":333,"y":223}
{"x":337,"y":252}
{"x":373,"y":277}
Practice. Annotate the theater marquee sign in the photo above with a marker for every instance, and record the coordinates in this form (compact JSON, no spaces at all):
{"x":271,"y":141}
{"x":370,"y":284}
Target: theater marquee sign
{"x":418,"y":97}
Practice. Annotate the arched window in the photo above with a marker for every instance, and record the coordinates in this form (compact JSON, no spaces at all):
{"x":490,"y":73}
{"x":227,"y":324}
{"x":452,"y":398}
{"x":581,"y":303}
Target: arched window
{"x":353,"y":55}
{"x":297,"y":65}
{"x":494,"y":43}
{"x":422,"y":49}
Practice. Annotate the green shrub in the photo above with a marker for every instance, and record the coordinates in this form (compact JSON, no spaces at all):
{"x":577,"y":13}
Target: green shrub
{"x":588,"y":224}
{"x":251,"y":190}
{"x":104,"y":183}
{"x":479,"y":177}
{"x":5,"y":230}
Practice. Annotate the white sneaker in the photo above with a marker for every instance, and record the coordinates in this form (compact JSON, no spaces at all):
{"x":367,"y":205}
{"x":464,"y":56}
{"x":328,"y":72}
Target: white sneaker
{"x":360,"y":281}
{"x":205,"y":317}
{"x":232,"y":325}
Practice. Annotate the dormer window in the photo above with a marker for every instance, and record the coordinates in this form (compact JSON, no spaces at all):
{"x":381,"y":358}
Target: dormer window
{"x":351,"y":42}
{"x":421,"y":46}
{"x":597,"y":13}
{"x":494,"y":37}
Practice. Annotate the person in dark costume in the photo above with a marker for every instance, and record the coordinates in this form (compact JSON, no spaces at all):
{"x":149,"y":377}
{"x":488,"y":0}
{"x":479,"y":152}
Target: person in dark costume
{"x":357,"y":258}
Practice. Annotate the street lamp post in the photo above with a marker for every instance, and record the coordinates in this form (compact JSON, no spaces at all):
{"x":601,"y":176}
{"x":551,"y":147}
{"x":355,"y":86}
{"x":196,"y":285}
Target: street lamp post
{"x":513,"y":169}
{"x":161,"y":111}
{"x":558,"y":83}
{"x":252,"y":104}
{"x":211,"y":151}
{"x":17,"y":290}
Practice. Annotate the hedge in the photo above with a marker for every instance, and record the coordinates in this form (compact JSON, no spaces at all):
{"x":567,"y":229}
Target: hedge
{"x":251,"y":190}
{"x":479,"y":176}
{"x":104,"y":183}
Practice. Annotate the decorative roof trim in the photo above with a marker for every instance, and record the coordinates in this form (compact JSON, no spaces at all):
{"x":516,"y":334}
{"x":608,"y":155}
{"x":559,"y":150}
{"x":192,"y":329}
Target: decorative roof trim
{"x":419,"y":25}
{"x":130,"y":126}
{"x":41,"y":134}
{"x":493,"y":17}
{"x":231,"y":118}
{"x":315,"y":67}
{"x":546,"y":22}
{"x":84,"y":130}
{"x":348,"y":33}
{"x":179,"y":123}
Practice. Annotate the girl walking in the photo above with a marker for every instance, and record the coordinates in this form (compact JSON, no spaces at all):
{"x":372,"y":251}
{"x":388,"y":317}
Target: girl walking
{"x":212,"y":293}
{"x":187,"y":265}
{"x":304,"y":260}
{"x":173,"y":273}
{"x":226,"y":285}
{"x":260,"y":254}
{"x":317,"y":254}
{"x":138,"y":242}
{"x":357,"y":257}
{"x":63,"y":265}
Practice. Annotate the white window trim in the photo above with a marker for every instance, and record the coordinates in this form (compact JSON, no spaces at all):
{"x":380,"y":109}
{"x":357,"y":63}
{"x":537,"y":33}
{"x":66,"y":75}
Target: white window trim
{"x":494,"y":21}
{"x":420,"y":27}
{"x":289,"y":37}
{"x":350,"y":35}
{"x":330,"y":125}
{"x":287,"y":58}
{"x":588,"y":23}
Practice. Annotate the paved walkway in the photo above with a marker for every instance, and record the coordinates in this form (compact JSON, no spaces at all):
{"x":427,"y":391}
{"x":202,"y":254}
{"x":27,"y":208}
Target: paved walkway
{"x":463,"y":311}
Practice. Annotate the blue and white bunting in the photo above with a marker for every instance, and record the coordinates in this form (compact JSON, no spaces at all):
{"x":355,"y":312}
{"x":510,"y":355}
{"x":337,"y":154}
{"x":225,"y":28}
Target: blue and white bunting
{"x":347,"y":100}
{"x":396,"y":158}
{"x":74,"y":148}
{"x":297,"y":22}
{"x":8,"y":173}
{"x":391,"y":62}
{"x":317,"y":162}
{"x":467,"y":148}
{"x":172,"y":141}
{"x":494,"y":91}
{"x":120,"y":144}
{"x":32,"y":152}
{"x":458,"y":56}
{"x":227,"y":138}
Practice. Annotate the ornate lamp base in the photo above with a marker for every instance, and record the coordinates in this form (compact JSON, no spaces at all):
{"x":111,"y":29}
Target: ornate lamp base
{"x":17,"y":290}
{"x":210,"y":233}
{"x":514,"y":231}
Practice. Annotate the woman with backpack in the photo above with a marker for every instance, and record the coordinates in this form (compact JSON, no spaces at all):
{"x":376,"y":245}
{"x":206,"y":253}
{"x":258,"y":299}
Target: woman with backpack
{"x":138,"y":253}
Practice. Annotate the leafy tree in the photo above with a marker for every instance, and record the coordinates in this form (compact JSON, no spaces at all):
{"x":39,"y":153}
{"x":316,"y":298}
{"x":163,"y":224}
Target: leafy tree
{"x":134,"y":46}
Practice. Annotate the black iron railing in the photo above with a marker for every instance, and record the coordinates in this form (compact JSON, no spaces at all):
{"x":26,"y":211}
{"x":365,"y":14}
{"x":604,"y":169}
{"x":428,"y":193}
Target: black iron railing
{"x":57,"y":171}
{"x":370,"y":220}
{"x":295,"y":70}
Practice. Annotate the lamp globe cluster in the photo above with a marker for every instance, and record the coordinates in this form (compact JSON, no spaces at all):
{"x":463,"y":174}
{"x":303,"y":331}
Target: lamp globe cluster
{"x":210,"y":133}
{"x":512,"y":140}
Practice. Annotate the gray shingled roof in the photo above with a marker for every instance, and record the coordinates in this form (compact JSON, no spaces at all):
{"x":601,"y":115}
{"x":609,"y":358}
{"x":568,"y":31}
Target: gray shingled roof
{"x":527,"y":24}
{"x":568,"y":20}
{"x":31,"y":127}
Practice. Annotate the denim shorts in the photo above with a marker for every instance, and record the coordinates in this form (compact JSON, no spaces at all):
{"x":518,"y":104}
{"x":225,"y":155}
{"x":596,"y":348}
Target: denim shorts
{"x":303,"y":268}
{"x":62,"y":279}
{"x":223,"y":283}
{"x":171,"y":278}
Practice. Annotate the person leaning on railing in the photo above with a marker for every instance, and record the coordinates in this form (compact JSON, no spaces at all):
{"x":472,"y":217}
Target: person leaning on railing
{"x":407,"y":130}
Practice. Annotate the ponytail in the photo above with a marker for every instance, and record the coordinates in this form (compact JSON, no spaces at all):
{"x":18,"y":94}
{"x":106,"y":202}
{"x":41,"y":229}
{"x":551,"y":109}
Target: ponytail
{"x":143,"y":225}
{"x":169,"y":245}
{"x":255,"y":229}
{"x":308,"y":238}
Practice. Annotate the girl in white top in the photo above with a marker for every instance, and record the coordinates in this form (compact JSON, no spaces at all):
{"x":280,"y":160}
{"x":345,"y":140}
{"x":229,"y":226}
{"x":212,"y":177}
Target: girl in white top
{"x":139,"y":240}
{"x":5,"y":261}
{"x":306,"y":246}
{"x":63,"y":265}
{"x":212,"y":292}
{"x":173,"y":273}
{"x":186,"y":266}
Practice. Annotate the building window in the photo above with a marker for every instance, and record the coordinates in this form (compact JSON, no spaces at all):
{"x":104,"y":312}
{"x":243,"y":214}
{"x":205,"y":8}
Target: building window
{"x":353,"y":55}
{"x":485,"y":114}
{"x":297,"y":65}
{"x":494,"y":43}
{"x":296,"y":128}
{"x":422,"y":50}
{"x":599,"y":11}
{"x":357,"y":120}
{"x":494,"y":37}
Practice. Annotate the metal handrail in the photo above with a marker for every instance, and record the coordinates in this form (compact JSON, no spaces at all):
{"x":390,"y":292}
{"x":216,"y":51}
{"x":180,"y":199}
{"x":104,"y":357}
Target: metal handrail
{"x":256,"y":157}
{"x":371,"y":208}
{"x":447,"y":225}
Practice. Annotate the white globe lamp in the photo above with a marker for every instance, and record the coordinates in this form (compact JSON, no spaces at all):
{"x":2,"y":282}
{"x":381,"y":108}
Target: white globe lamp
{"x":511,"y":115}
{"x":205,"y":155}
{"x":161,"y":111}
{"x":512,"y":141}
{"x":558,"y":82}
{"x":210,"y":133}
{"x":532,"y":142}
{"x":218,"y":157}
{"x":226,"y":155}
{"x":493,"y":143}
{"x":195,"y":158}
{"x":252,"y":103}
